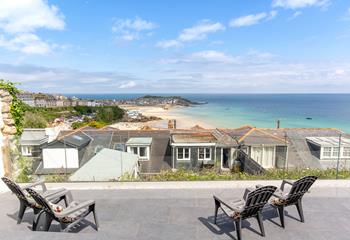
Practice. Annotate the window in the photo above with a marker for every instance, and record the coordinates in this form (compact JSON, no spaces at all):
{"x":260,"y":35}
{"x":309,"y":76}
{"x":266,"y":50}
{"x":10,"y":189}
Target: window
{"x":183,"y":154}
{"x":142,"y":152}
{"x":335,"y":152}
{"x":204,"y":153}
{"x":346,"y":152}
{"x":327,"y":151}
{"x":134,"y":150}
{"x":119,"y":147}
{"x":27,"y":150}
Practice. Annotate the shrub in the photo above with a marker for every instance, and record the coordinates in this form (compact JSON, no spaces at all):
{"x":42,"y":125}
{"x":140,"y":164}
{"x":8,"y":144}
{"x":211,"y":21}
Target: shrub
{"x":34,"y":120}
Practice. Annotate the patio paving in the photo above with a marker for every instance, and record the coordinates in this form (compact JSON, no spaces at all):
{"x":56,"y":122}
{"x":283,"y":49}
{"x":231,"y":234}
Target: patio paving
{"x":186,"y":214}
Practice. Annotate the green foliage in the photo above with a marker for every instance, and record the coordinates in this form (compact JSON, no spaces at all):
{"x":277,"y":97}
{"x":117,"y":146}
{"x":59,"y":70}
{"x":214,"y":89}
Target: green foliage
{"x":109,"y":114}
{"x":56,"y":178}
{"x":17,"y":106}
{"x":24,"y":166}
{"x":212,"y":174}
{"x":95,"y":124}
{"x":100,"y":116}
{"x":32,"y":120}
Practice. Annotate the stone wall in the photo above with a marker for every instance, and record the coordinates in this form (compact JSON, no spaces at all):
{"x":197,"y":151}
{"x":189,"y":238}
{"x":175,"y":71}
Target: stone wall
{"x":7,"y":132}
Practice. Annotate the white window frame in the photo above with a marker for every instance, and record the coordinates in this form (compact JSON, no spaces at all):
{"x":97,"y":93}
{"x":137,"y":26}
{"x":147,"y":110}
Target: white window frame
{"x":183,"y":154}
{"x":141,"y":158}
{"x":205,"y":153}
{"x":348,"y":152}
{"x":330,"y":152}
{"x":27,"y":151}
{"x":334,"y":150}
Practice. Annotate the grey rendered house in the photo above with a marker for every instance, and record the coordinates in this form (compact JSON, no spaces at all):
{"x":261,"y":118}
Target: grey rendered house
{"x":151,"y":147}
{"x":268,"y":150}
{"x":192,"y":150}
{"x":31,"y":141}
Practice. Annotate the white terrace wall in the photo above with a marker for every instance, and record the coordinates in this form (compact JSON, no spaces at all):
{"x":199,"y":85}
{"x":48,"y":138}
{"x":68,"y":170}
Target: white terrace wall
{"x":7,"y":131}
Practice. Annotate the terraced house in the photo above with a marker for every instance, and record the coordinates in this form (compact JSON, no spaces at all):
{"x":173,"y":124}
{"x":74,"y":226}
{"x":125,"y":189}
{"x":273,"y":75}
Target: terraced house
{"x":247,"y":148}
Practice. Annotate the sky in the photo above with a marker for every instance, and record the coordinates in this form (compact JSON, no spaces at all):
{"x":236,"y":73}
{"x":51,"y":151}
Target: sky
{"x":155,"y":46}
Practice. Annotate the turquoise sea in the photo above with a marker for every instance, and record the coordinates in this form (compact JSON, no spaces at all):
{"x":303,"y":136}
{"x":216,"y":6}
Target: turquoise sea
{"x":262,"y":110}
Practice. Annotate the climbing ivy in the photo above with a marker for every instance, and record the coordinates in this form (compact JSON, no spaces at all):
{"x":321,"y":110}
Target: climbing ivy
{"x":17,"y":106}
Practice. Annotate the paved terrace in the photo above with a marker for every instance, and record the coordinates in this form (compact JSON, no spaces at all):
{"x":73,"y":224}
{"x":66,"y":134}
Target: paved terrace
{"x":185,"y":211}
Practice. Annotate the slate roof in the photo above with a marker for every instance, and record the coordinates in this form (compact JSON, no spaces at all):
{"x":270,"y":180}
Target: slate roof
{"x":160,"y":154}
{"x":193,"y":137}
{"x":74,"y":140}
{"x":33,"y":137}
{"x":249,"y":135}
{"x":141,"y":141}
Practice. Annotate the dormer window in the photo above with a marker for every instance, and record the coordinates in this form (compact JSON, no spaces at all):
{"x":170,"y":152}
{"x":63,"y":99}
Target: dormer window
{"x":140,"y":147}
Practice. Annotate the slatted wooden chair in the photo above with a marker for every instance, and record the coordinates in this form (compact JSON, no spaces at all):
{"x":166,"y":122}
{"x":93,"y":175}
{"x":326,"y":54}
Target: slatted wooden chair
{"x":68,"y":217}
{"x":250,"y":206}
{"x":26,"y":201}
{"x":293,"y":197}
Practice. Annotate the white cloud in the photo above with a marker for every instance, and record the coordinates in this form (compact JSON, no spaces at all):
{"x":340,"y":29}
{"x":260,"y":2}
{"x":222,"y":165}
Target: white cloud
{"x":129,"y":84}
{"x":339,"y":72}
{"x":295,"y":15}
{"x":252,"y":19}
{"x":346,"y":16}
{"x":294,"y":4}
{"x":212,"y":56}
{"x":26,"y":43}
{"x":199,"y":31}
{"x":132,"y":29}
{"x":169,"y":43}
{"x":218,"y":57}
{"x":20,"y":19}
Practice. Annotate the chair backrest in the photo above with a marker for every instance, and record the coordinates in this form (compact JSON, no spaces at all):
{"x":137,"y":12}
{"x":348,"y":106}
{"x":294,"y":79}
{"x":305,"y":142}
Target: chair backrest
{"x":256,"y":200}
{"x":40,"y":200}
{"x":299,"y":188}
{"x":15,"y":189}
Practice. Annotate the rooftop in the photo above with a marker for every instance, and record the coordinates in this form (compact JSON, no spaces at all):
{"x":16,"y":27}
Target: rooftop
{"x":198,"y":137}
{"x":186,"y":213}
{"x":139,"y":141}
{"x":33,"y":136}
{"x":329,"y":141}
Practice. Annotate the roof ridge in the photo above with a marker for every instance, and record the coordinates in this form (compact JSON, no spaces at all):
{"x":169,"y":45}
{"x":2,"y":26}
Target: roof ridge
{"x":246,"y":135}
{"x":271,"y":135}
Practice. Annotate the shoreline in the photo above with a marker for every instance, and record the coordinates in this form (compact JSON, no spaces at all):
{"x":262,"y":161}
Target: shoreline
{"x":183,"y":121}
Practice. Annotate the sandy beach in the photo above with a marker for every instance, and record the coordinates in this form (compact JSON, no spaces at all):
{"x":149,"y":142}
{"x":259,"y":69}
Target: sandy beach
{"x":182,"y":121}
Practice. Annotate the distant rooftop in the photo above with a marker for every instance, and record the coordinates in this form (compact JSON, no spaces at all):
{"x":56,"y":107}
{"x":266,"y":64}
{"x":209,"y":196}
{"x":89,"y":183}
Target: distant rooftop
{"x":329,"y":141}
{"x":139,"y":141}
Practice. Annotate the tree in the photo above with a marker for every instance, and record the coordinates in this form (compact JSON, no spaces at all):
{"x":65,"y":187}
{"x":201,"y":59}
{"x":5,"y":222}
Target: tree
{"x":32,"y":120}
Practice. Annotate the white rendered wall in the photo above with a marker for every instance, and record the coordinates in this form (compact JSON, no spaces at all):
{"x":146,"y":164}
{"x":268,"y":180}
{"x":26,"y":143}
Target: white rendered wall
{"x":56,"y":158}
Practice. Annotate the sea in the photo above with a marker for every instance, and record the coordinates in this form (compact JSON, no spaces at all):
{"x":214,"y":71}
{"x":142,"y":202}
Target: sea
{"x":261,"y":110}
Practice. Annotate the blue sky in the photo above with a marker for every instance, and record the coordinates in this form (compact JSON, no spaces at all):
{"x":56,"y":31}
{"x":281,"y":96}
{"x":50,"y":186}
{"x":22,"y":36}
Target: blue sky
{"x":261,"y":46}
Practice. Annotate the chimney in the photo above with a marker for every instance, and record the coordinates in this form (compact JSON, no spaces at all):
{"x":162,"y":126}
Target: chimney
{"x":278,"y":123}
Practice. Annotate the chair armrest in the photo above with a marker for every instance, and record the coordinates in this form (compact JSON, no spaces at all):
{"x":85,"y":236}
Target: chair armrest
{"x":284,"y":182}
{"x":71,"y":210}
{"x":233,"y":208}
{"x":31,"y":185}
{"x":56,"y":194}
{"x":278,"y":196}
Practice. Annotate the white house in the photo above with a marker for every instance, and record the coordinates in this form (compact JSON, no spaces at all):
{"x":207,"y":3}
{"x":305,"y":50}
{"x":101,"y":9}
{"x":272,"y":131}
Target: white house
{"x":329,"y":151}
{"x":64,"y":153}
